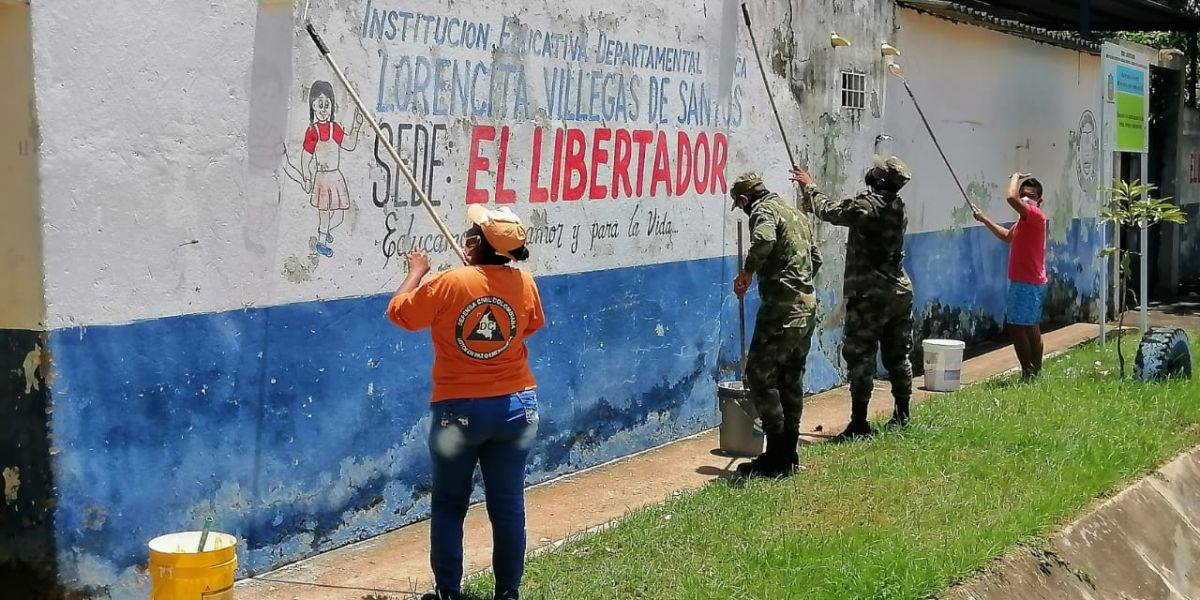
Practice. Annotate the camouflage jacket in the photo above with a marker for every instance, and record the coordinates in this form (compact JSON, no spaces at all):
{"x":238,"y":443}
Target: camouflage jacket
{"x":784,"y":259}
{"x":875,"y":250}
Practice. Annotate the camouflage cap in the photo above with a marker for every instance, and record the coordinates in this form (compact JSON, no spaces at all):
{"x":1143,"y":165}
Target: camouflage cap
{"x":743,"y":185}
{"x":891,"y":172}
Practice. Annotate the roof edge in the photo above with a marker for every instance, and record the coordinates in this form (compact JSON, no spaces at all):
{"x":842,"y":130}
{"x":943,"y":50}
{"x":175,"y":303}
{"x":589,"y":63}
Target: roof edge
{"x":958,"y":13}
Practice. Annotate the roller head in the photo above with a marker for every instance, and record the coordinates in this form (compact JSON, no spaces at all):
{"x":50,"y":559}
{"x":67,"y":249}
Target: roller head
{"x":312,"y":33}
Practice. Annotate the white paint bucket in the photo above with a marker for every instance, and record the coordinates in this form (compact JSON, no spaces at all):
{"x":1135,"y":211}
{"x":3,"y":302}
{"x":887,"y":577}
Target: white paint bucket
{"x":943,"y":364}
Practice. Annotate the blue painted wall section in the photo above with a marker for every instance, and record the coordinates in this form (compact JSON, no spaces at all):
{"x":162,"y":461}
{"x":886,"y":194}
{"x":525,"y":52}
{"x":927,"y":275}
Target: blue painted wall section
{"x":961,"y":276}
{"x":302,"y":427}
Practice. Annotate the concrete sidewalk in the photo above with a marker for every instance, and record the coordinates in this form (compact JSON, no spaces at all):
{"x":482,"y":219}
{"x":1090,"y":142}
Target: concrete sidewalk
{"x":396,"y":565}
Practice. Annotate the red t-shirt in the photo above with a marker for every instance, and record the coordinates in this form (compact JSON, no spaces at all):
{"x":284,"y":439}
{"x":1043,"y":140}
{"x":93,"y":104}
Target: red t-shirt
{"x":323,"y":132}
{"x":1027,"y":252}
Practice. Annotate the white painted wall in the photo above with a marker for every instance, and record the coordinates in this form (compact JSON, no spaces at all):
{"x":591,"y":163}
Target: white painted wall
{"x":21,"y":298}
{"x":143,"y":118}
{"x":998,"y":104}
{"x":163,"y":192}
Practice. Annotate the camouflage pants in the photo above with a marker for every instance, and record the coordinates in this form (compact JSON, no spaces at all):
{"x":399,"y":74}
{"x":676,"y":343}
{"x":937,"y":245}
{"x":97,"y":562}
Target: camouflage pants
{"x":884,"y":324}
{"x":775,"y":367}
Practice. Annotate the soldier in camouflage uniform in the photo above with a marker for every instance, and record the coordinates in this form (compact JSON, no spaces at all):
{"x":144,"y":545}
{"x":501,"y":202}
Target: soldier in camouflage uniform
{"x":785,"y":260}
{"x":879,"y":295}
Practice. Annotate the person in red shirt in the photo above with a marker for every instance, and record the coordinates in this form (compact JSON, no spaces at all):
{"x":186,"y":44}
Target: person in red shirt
{"x":1027,"y":281}
{"x":484,"y":404}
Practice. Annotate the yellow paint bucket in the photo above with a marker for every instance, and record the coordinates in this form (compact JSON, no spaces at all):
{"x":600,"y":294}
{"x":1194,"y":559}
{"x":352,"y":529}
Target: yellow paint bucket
{"x":178,"y":571}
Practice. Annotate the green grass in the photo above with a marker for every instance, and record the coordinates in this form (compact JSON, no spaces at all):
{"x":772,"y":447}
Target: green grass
{"x":902,"y":516}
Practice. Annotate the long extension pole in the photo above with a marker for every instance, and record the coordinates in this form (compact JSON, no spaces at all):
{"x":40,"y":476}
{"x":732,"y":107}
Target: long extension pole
{"x":741,"y":305}
{"x":933,"y":137}
{"x":763,"y":72}
{"x":370,"y":118}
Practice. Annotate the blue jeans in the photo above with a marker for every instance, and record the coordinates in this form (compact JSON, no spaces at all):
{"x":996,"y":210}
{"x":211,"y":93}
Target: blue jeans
{"x":497,"y":434}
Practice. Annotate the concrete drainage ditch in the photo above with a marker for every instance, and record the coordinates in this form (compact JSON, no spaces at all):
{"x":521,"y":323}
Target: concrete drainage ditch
{"x":1141,"y":544}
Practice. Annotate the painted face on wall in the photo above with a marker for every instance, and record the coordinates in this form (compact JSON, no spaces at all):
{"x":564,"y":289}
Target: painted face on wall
{"x":1089,"y":151}
{"x":322,"y":108}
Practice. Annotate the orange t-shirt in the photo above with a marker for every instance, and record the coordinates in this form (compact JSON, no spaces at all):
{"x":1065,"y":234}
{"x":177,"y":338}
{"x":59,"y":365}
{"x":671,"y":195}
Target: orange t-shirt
{"x":479,"y":318}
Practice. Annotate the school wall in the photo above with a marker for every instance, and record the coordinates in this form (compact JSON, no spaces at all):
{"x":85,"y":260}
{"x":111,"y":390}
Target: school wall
{"x":211,"y":359}
{"x":998,"y":104}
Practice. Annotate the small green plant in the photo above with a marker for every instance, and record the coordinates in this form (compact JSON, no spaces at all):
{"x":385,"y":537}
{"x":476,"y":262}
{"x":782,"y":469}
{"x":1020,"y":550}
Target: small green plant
{"x":1132,"y":204}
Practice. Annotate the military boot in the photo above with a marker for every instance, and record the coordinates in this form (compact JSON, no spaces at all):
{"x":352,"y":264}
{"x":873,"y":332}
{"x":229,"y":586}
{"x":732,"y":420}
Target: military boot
{"x":900,"y":415}
{"x":770,"y":463}
{"x":791,"y":445}
{"x":859,"y":428}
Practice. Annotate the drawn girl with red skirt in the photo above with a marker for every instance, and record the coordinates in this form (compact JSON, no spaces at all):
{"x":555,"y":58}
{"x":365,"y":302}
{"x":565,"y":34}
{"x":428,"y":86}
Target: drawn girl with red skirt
{"x":320,"y":172}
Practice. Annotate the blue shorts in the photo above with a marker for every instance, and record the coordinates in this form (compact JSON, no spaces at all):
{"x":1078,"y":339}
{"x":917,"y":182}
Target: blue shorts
{"x":1023,"y":305}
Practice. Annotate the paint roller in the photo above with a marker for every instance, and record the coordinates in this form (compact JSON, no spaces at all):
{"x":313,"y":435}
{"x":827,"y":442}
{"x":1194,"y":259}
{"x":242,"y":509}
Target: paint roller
{"x":380,"y":136}
{"x":898,"y":71}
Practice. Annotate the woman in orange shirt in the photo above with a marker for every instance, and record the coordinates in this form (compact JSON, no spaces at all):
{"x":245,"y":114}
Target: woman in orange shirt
{"x":484,"y":401}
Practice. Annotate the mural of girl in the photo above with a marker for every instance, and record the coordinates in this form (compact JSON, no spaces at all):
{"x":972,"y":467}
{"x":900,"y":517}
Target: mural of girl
{"x":319,"y":172}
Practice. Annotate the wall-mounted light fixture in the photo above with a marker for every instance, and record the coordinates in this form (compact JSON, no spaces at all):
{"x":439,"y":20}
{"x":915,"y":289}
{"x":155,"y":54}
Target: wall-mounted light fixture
{"x":838,"y":41}
{"x":889,"y":50}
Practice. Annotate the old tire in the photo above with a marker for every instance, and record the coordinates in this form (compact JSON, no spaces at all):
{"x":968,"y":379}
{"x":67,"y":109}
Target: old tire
{"x":1163,"y":354}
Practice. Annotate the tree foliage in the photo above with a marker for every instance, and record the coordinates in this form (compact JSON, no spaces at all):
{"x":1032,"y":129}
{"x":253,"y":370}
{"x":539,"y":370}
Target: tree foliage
{"x":1132,"y":204}
{"x":1185,"y":41}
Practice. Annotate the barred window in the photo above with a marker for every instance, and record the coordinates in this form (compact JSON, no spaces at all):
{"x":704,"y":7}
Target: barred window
{"x":854,"y":90}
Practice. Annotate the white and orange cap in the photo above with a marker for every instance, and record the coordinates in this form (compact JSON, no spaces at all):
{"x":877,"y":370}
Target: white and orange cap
{"x":501,"y":227}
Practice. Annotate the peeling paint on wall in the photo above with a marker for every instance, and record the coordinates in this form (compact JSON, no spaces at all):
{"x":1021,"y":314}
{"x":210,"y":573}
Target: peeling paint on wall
{"x":983,"y":193}
{"x":962,"y":216}
{"x":957,"y":323}
{"x":30,"y":367}
{"x":834,"y":155}
{"x":12,"y":484}
{"x":301,"y":268}
{"x":1060,"y":203}
{"x":94,"y":518}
